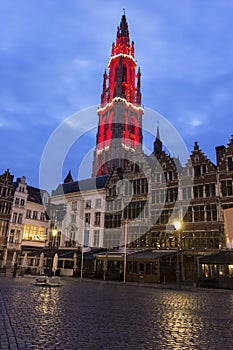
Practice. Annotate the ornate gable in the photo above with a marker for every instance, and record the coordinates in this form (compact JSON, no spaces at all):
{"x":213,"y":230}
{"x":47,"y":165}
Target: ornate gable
{"x":226,"y":161}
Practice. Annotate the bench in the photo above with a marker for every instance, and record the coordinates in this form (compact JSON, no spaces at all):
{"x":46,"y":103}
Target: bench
{"x":3,"y":270}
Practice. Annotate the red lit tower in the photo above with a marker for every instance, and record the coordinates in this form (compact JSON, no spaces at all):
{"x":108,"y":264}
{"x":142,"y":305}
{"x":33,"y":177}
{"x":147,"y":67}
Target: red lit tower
{"x":120,"y":114}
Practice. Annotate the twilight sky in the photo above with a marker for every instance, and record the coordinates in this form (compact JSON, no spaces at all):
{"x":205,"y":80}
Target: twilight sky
{"x":53,"y":55}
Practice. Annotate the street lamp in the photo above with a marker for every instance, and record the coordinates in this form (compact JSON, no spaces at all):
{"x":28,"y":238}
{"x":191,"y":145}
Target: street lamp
{"x":125,"y":250}
{"x":54,"y":234}
{"x":178,"y":225}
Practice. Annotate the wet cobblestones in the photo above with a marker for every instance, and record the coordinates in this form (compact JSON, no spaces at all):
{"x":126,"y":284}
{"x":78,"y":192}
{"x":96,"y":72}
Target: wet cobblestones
{"x":102,"y":315}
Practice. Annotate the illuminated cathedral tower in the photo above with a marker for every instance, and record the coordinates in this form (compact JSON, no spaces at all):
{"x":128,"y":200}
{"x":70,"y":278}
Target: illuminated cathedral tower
{"x":120,"y":113}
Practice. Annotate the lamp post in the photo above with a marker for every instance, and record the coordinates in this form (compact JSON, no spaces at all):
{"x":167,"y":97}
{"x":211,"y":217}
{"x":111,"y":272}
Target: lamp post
{"x":177,"y":224}
{"x":54,"y":234}
{"x":125,"y":251}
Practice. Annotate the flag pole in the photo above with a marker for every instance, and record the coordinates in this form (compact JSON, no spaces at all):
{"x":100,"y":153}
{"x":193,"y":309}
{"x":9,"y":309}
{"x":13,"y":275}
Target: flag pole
{"x":82,"y":250}
{"x":125,"y":252}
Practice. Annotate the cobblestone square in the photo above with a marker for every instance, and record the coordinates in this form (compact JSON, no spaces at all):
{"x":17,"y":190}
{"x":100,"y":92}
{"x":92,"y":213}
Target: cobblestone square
{"x":106,"y":315}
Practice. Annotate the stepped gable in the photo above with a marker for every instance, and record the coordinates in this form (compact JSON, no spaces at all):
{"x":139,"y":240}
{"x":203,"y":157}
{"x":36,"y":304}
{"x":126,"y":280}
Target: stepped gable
{"x":226,"y":159}
{"x":168,"y":164}
{"x":198,"y":159}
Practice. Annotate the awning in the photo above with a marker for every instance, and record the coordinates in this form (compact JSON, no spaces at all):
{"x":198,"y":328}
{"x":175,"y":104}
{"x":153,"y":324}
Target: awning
{"x":151,"y":255}
{"x":221,"y":258}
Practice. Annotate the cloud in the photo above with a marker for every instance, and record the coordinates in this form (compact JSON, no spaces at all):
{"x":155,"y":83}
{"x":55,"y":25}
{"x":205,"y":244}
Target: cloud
{"x":53,"y":55}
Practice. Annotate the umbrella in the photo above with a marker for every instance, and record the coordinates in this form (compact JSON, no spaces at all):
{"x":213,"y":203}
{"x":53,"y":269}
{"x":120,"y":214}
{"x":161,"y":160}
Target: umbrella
{"x":25,"y":261}
{"x":55,"y":262}
{"x":4,"y":259}
{"x":75,"y":261}
{"x":13,"y":259}
{"x":41,"y":264}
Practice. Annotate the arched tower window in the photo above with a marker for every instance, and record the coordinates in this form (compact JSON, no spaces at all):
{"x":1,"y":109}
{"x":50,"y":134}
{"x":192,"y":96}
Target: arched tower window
{"x":124,"y":73}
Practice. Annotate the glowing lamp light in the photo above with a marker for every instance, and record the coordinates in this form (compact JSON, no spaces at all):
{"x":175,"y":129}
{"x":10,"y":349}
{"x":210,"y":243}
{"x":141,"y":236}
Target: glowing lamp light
{"x":177,"y":224}
{"x":54,"y":232}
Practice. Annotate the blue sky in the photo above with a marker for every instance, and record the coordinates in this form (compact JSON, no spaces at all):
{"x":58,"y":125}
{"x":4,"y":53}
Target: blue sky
{"x":53,"y":54}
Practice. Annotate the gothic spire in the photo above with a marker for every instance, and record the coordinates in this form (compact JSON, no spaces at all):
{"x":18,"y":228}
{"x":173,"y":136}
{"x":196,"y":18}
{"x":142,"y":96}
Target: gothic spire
{"x":158,"y":145}
{"x":123,"y":32}
{"x":158,"y":134}
{"x":68,"y":178}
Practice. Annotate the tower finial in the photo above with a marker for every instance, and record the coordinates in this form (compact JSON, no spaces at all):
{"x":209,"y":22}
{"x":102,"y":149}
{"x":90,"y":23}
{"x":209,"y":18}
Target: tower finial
{"x":158,"y":134}
{"x":123,"y":11}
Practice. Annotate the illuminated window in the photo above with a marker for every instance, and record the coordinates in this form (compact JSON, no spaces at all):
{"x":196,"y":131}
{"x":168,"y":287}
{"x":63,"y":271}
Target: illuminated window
{"x":26,"y":232}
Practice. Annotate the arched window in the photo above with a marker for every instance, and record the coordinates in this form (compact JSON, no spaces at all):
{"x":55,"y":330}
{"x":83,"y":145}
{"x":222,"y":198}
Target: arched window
{"x":124,"y":73}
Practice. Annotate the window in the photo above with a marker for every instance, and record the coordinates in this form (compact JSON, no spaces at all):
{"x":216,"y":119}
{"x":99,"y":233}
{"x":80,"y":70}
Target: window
{"x":164,"y":177}
{"x":86,"y":238}
{"x":88,"y":203}
{"x":42,"y":216}
{"x":28,"y":214}
{"x":187,"y":213}
{"x":210,"y":190}
{"x":158,"y":177}
{"x":87,"y":218}
{"x":26,"y":232}
{"x":190,"y":171}
{"x":230,"y":164}
{"x":98,"y":203}
{"x":198,"y":191}
{"x":136,"y":209}
{"x":198,"y":213}
{"x":226,"y":188}
{"x":20,"y":218}
{"x":16,"y":201}
{"x":97,"y":218}
{"x":11,"y":237}
{"x":35,"y":215}
{"x":41,"y":233}
{"x":172,"y":194}
{"x":96,"y":238}
{"x":17,"y":236}
{"x":33,"y":230}
{"x":140,"y":186}
{"x":211,"y":212}
{"x":14,"y":218}
{"x":197,"y":170}
{"x":74,"y":205}
{"x":22,"y":202}
{"x":164,"y":217}
{"x":186,"y":192}
{"x":73,"y":218}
